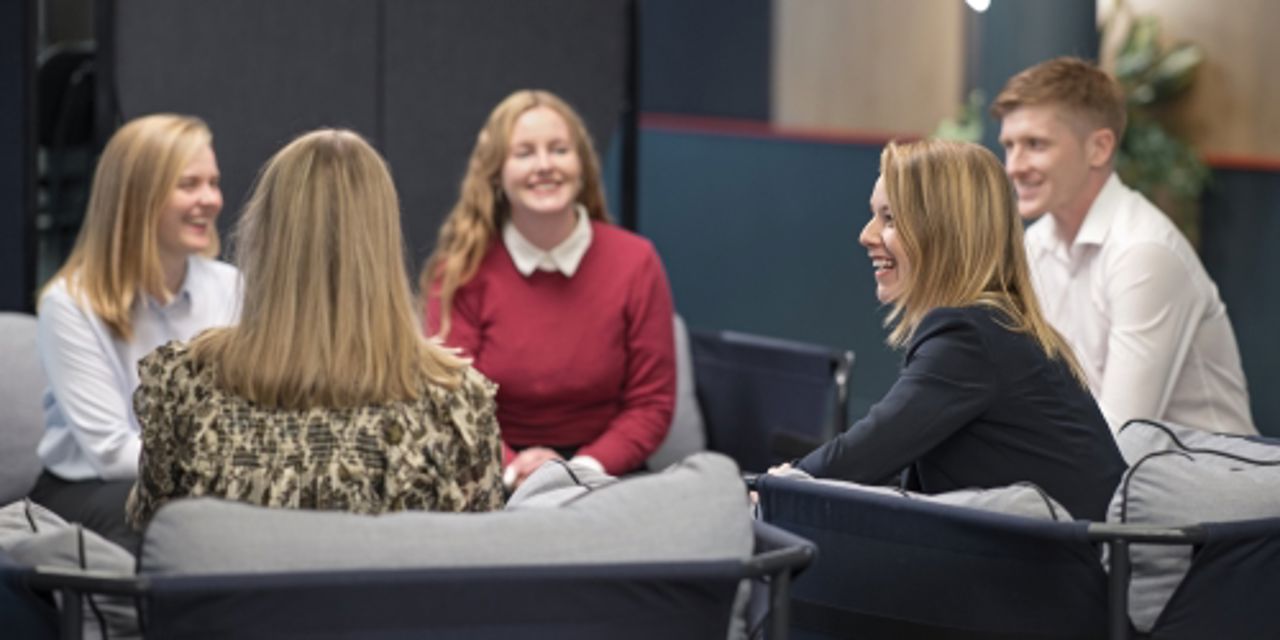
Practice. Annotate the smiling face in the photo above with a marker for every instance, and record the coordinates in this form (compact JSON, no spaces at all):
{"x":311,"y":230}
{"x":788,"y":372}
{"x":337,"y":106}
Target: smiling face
{"x":1053,"y":161}
{"x":884,"y":247}
{"x":542,"y":173}
{"x":186,"y":222}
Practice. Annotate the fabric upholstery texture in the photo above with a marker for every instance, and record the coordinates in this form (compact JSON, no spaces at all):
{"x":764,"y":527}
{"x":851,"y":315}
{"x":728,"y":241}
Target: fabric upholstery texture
{"x":22,"y":383}
{"x":1018,"y":499}
{"x":1186,"y":477}
{"x":1138,"y":438}
{"x":36,"y":537}
{"x":696,"y":510}
{"x":688,"y":434}
{"x":555,"y":483}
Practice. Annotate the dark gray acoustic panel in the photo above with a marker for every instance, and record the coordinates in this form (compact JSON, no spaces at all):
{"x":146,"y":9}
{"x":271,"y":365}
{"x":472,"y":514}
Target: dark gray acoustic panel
{"x":707,"y":57}
{"x":17,"y":155}
{"x":448,"y":63}
{"x":259,"y":72}
{"x":418,"y":77}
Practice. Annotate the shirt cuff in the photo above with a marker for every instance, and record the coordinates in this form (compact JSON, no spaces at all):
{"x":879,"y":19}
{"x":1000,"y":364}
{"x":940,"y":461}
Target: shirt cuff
{"x":588,"y":462}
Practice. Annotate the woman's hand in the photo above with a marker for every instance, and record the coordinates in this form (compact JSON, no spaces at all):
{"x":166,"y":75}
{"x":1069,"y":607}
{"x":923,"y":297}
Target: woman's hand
{"x":525,"y":463}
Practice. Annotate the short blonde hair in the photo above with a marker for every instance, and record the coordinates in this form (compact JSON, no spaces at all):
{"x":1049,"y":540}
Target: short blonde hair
{"x":116,"y":255}
{"x":1074,"y":84}
{"x":478,"y":215}
{"x":328,"y":314}
{"x":954,"y":212}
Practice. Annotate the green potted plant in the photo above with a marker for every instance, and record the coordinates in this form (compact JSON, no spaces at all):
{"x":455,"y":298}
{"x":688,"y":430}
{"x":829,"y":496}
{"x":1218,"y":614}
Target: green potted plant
{"x":1152,"y":159}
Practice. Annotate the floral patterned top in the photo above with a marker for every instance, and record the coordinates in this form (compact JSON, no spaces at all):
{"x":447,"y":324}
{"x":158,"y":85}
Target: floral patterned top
{"x":440,"y":452}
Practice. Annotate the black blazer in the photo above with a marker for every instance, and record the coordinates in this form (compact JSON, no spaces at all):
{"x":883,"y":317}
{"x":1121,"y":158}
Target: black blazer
{"x":979,"y":405}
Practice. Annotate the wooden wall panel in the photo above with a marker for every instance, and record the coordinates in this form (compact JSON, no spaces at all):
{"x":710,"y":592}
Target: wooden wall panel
{"x":867,"y":64}
{"x":1234,"y":106}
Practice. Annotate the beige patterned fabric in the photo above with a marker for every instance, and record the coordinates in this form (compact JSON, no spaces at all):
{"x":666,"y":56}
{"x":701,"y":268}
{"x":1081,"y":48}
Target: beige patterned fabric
{"x":440,"y":452}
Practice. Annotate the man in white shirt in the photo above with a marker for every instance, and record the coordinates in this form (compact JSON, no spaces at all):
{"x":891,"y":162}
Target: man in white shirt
{"x":1113,"y":274}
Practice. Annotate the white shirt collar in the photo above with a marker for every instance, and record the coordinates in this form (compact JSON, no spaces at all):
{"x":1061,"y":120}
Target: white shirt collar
{"x":564,"y":257}
{"x":1043,"y":238}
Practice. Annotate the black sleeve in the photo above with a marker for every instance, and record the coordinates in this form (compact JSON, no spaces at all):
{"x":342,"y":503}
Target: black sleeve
{"x":947,"y":382}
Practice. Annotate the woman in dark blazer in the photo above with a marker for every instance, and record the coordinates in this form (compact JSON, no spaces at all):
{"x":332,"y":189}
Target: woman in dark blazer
{"x":989,"y":393}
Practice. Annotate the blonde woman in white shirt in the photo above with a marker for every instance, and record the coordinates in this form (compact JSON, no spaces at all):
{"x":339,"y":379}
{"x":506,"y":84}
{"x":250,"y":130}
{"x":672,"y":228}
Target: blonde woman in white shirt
{"x":1113,"y":274}
{"x":140,"y":275}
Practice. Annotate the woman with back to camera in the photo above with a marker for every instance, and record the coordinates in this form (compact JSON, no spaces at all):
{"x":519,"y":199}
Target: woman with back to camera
{"x":140,"y":275}
{"x":989,"y":394}
{"x":325,"y":395}
{"x":570,"y":315}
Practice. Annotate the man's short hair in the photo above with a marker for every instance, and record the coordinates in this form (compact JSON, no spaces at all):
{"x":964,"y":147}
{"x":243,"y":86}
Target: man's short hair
{"x":1078,"y":85}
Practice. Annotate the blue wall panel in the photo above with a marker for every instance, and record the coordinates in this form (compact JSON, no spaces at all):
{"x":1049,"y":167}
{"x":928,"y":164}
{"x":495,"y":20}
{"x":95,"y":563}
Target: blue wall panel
{"x":1239,"y":236}
{"x":760,"y":235}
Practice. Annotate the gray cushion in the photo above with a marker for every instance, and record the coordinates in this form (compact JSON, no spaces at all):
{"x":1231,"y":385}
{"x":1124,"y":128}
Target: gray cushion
{"x":1019,"y":499}
{"x":23,"y":518}
{"x":34,"y":536}
{"x":1177,"y":487}
{"x":696,"y":510}
{"x":688,"y":434}
{"x":1139,"y":438}
{"x":22,"y":384}
{"x":555,"y":483}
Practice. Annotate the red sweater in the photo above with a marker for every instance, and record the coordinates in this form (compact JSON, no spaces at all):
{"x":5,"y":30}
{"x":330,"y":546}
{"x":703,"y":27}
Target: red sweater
{"x":583,"y":363}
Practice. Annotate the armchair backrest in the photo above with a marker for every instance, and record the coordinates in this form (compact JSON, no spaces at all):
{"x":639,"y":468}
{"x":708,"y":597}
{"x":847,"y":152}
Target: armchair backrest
{"x":766,"y":400}
{"x":22,"y":385}
{"x":893,"y":567}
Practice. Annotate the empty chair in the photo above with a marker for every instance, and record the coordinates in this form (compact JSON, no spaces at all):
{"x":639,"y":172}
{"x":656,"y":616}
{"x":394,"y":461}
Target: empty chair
{"x":767,"y":400}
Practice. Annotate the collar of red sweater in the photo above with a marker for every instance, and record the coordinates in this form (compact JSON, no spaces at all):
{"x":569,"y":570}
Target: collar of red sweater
{"x":564,"y":257}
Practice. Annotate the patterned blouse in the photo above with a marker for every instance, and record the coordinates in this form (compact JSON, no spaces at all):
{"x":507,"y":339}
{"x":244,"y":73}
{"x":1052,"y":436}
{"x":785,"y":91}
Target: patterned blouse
{"x":440,"y":452}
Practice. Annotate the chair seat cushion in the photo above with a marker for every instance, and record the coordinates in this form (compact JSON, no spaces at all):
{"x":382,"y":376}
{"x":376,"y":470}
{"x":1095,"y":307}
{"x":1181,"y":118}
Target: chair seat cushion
{"x":1019,"y":499}
{"x":1138,"y":438}
{"x":696,"y":510}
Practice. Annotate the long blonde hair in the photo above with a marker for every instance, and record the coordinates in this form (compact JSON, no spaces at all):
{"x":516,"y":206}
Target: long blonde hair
{"x":478,"y":215}
{"x":328,"y":314}
{"x":954,"y":213}
{"x":116,"y":257}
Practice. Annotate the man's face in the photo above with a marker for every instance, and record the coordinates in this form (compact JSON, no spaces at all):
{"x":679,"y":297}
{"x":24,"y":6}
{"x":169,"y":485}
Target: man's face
{"x":1047,"y":155}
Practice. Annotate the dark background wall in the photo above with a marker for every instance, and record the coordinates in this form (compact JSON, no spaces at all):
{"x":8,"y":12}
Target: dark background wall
{"x":1240,"y":230}
{"x":708,"y":57}
{"x":416,"y":77}
{"x":17,"y":154}
{"x":758,"y":231}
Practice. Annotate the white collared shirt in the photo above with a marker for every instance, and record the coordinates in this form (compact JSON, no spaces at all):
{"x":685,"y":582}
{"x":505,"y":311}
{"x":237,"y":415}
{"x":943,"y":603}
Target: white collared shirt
{"x":1144,"y":319}
{"x":564,"y":257}
{"x":90,"y":428}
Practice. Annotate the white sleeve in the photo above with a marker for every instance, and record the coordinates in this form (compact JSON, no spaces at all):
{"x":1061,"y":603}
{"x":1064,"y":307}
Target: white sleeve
{"x":1155,"y":311}
{"x":87,"y":386}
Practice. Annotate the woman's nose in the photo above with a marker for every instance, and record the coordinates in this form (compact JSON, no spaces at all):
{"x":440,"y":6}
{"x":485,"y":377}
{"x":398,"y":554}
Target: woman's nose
{"x":870,"y":235}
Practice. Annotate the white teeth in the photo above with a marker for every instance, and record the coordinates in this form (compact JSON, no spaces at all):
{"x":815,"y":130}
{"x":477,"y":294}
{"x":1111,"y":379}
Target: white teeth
{"x":882,"y":263}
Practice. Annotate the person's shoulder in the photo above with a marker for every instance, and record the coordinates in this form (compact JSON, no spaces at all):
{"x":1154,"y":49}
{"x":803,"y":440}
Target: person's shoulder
{"x":1138,"y":221}
{"x":216,"y":270}
{"x":476,"y":385}
{"x":58,"y":306}
{"x":56,"y":294}
{"x":618,"y":238}
{"x":166,"y":361}
{"x":957,"y":317}
{"x":1038,"y":230}
{"x":977,"y":323}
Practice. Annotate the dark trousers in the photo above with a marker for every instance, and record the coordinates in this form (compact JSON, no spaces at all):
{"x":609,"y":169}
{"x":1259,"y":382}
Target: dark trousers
{"x":96,"y":504}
